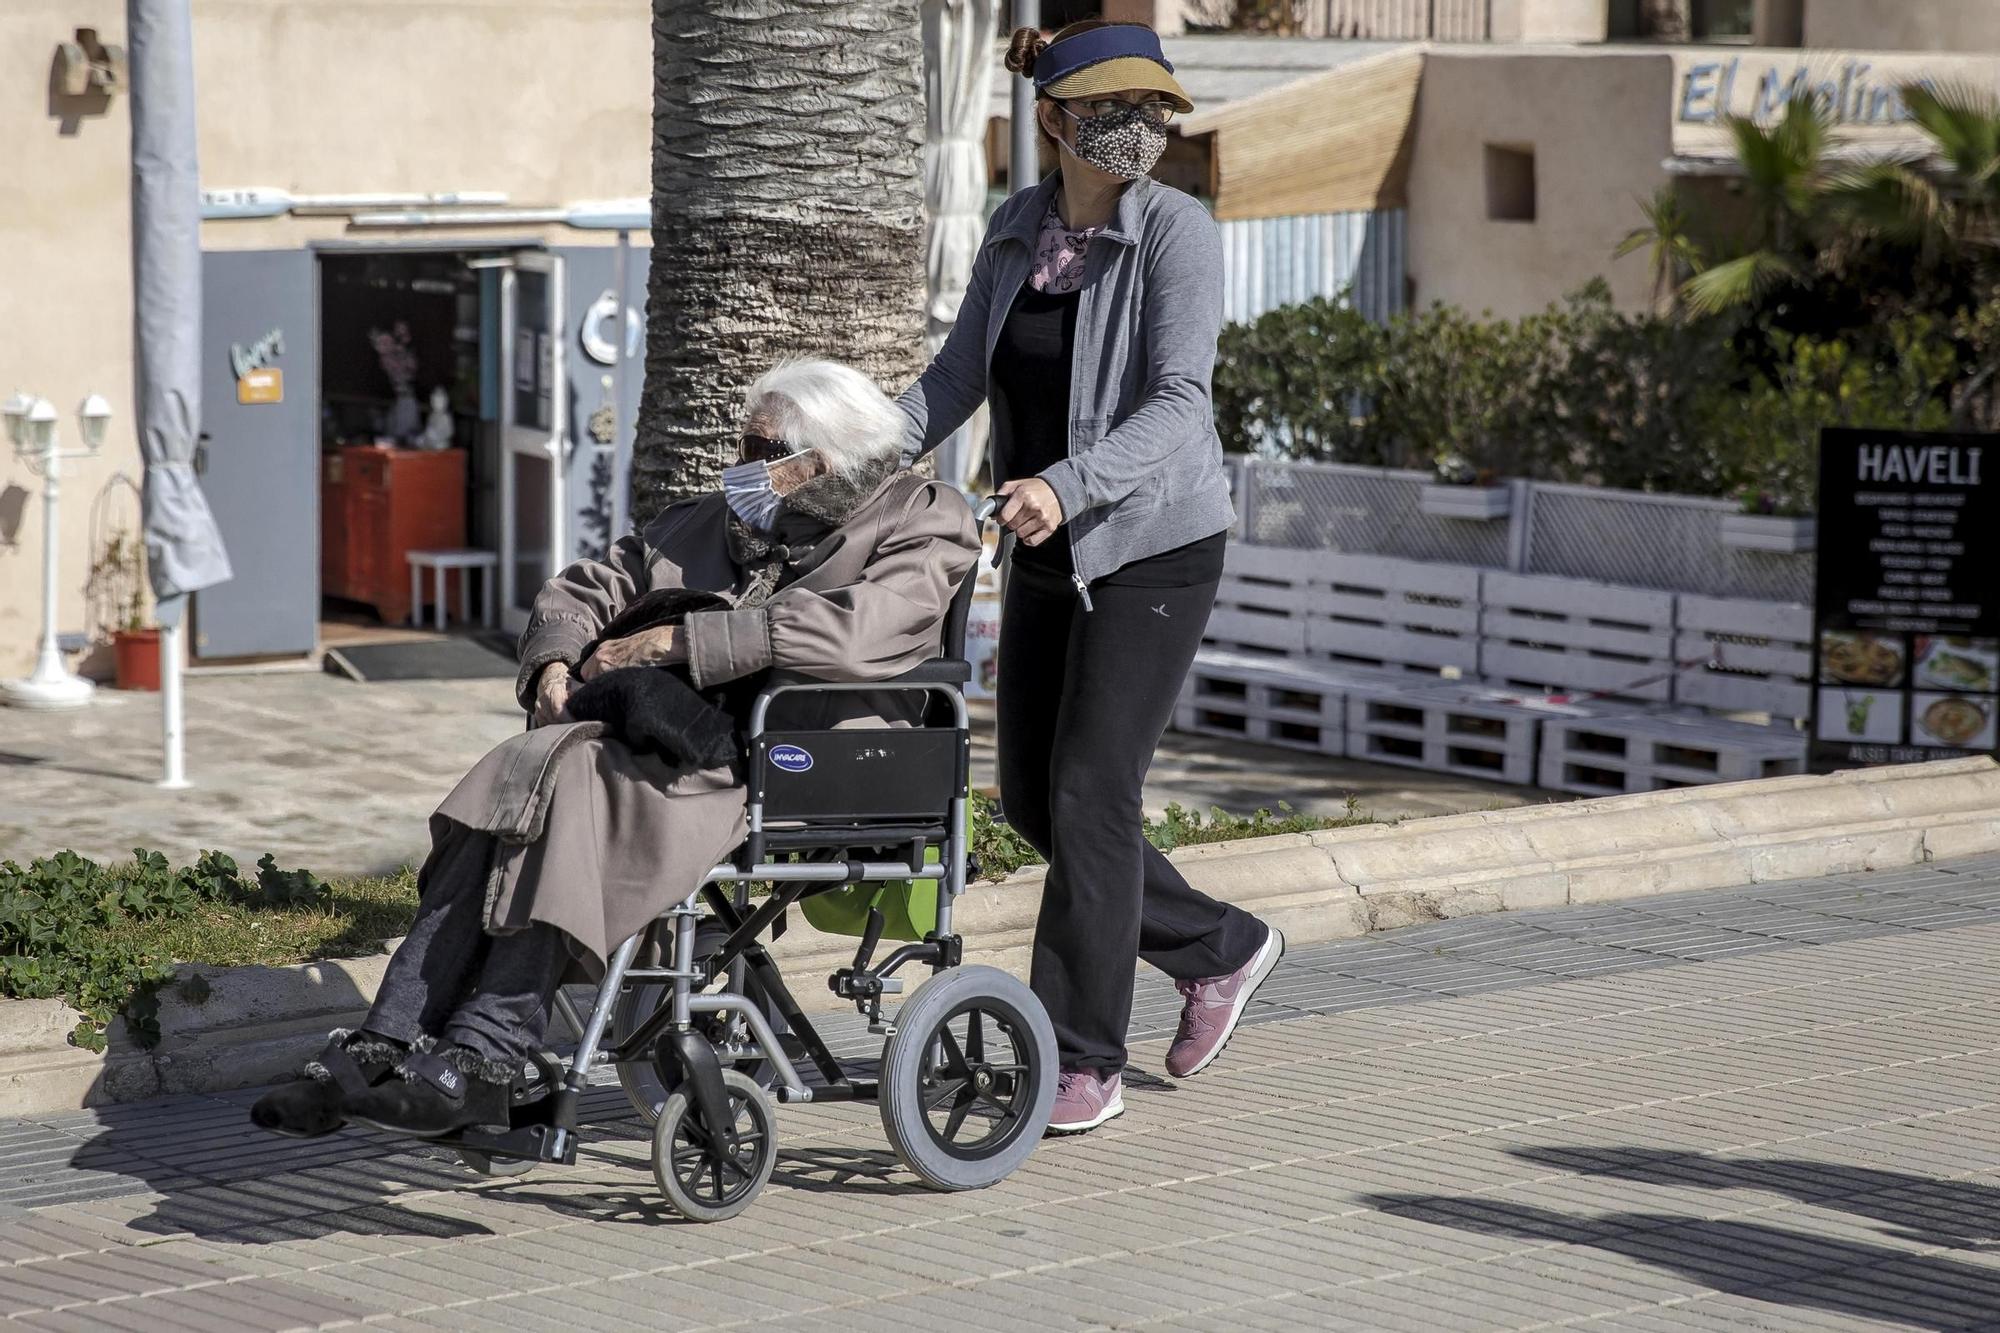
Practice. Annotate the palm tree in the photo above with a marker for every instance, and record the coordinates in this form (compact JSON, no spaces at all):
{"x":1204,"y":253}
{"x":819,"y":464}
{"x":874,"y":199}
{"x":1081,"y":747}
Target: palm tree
{"x":1668,"y":240}
{"x":1948,"y":202}
{"x":1788,"y":174}
{"x":787,"y":213}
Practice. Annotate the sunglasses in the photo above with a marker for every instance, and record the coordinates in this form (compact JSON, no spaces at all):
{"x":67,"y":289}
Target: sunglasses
{"x":762,"y":449}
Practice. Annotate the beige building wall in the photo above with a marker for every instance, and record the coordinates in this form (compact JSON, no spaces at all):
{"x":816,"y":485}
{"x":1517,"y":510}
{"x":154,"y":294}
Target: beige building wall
{"x":1903,"y":25}
{"x":1598,"y":128}
{"x":1550,"y":20}
{"x":548,"y":102}
{"x":65,"y":299}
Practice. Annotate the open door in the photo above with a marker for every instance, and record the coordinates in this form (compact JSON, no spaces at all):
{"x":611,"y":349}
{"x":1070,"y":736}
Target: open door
{"x":533,"y":410}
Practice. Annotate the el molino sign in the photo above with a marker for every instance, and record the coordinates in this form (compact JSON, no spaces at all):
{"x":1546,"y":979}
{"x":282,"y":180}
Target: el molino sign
{"x":1855,"y":91}
{"x":1862,"y":93}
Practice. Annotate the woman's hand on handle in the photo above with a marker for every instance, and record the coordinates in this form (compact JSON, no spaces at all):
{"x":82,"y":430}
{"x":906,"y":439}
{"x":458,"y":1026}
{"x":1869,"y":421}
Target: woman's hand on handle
{"x":1032,"y":512}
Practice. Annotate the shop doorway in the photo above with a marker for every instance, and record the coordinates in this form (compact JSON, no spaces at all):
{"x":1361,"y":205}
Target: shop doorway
{"x":425,"y":409}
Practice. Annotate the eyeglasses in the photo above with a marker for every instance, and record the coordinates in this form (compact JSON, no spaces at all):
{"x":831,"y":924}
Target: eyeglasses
{"x":762,"y":449}
{"x":1157,"y":112}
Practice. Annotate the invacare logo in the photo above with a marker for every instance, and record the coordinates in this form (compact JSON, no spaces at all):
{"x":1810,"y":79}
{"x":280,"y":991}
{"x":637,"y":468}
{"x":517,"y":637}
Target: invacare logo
{"x":791,"y":758}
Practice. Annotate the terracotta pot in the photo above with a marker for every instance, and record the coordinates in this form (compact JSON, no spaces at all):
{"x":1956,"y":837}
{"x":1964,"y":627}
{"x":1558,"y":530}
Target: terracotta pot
{"x":138,"y":655}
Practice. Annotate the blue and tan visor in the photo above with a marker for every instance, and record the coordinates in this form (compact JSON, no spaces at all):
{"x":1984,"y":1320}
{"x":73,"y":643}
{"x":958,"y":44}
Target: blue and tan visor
{"x":1102,"y":61}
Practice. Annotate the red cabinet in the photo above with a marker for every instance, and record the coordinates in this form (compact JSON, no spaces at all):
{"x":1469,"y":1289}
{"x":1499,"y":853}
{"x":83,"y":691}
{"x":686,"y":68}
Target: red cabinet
{"x":378,"y":504}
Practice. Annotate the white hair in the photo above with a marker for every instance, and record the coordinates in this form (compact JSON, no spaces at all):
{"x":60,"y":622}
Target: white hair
{"x":831,"y":408}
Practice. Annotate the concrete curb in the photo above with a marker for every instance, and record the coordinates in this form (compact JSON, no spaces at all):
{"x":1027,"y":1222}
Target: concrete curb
{"x":239,"y":1027}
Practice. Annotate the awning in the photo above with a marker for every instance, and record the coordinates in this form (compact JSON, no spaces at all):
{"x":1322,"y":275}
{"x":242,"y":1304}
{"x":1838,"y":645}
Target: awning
{"x":1336,"y":142}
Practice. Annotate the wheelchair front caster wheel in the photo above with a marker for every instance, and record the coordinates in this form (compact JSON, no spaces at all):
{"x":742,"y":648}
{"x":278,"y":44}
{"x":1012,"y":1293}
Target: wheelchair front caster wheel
{"x":968,"y":1079}
{"x":704,"y":1179}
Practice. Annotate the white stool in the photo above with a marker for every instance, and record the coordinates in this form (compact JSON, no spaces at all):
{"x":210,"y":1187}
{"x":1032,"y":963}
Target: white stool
{"x":464,"y":560}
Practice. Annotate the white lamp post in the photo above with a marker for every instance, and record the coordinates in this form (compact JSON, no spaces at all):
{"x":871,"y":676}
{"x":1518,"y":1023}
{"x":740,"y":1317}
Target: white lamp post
{"x":31,"y":427}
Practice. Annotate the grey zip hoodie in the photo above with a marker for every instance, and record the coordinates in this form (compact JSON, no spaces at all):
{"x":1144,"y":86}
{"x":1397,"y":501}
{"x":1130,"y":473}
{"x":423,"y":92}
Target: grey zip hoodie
{"x":1144,"y":473}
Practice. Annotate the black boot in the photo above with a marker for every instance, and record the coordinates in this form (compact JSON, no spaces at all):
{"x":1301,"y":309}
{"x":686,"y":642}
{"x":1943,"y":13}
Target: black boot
{"x":438,"y":1092}
{"x":352,"y":1063}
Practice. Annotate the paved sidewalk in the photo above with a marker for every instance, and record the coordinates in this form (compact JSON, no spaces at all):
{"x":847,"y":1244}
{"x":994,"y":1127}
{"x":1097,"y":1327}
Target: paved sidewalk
{"x":341,"y":777}
{"x":1775,"y":1108}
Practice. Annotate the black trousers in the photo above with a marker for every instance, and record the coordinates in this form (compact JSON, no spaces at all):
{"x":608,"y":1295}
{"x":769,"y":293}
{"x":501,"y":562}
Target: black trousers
{"x":451,"y":980}
{"x":1083,"y":699}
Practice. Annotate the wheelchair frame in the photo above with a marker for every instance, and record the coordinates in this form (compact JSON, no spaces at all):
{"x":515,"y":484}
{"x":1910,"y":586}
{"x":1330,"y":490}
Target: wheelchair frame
{"x":545,"y":1116}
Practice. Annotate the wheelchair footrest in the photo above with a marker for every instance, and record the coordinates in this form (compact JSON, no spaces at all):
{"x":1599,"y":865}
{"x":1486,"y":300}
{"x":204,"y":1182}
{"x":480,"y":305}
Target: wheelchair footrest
{"x":534,"y":1143}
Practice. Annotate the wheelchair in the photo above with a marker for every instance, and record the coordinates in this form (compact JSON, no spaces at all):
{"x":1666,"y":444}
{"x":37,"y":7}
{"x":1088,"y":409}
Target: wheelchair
{"x":967,"y":1077}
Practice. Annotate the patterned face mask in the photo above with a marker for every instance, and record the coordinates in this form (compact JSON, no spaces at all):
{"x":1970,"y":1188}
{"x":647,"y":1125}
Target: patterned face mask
{"x":747,"y":487}
{"x":1123,"y":144}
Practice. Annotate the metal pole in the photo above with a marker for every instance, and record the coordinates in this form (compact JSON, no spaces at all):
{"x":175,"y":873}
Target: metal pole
{"x":1025,"y":144}
{"x":174,"y":775}
{"x":49,"y":667}
{"x":621,"y":455}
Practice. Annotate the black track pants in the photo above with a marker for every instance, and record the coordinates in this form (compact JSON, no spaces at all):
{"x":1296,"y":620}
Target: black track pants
{"x":1083,"y":699}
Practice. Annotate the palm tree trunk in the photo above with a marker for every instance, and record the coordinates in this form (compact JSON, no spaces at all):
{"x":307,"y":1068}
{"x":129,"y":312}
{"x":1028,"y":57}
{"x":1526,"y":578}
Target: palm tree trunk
{"x":787,"y":213}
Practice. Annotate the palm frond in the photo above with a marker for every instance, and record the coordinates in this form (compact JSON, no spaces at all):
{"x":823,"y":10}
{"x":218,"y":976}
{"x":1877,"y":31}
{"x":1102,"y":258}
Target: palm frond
{"x":1963,"y":121}
{"x":1897,"y":201}
{"x":1738,"y":282}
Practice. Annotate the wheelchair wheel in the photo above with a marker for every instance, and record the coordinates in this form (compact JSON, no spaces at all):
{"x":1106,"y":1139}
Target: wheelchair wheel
{"x":649,"y":1082}
{"x":703,"y":1181}
{"x":968,"y":1079}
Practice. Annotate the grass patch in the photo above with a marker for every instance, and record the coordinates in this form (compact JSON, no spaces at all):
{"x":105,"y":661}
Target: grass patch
{"x":351,"y":920}
{"x":1000,"y":850}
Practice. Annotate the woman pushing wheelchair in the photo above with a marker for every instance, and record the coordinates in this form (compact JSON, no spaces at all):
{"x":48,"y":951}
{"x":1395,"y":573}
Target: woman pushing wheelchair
{"x":819,"y":560}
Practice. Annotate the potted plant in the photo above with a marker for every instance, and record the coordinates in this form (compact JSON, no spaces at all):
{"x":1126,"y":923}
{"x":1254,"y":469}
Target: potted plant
{"x":118,"y":581}
{"x":1464,"y":491}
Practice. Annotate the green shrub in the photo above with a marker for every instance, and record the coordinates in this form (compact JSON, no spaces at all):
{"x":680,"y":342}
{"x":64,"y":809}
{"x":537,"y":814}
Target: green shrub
{"x":68,"y":928}
{"x":1773,"y":428}
{"x":1583,"y":393}
{"x":56,"y":937}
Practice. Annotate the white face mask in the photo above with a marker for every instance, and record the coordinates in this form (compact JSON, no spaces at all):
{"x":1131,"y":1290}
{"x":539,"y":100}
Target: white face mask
{"x":748,"y":490}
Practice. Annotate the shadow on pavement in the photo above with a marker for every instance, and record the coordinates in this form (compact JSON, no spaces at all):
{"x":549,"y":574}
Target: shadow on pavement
{"x":213,"y":1175}
{"x":1956,"y":1214}
{"x":1765,"y":1263}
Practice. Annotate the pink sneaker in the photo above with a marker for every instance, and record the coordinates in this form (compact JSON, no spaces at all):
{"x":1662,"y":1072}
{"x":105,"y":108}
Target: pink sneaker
{"x":1085,"y":1101}
{"x":1215,"y":1005}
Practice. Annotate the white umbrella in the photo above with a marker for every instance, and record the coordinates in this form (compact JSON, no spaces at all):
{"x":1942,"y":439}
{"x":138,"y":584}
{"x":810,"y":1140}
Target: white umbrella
{"x":958,"y":80}
{"x":184,"y":551}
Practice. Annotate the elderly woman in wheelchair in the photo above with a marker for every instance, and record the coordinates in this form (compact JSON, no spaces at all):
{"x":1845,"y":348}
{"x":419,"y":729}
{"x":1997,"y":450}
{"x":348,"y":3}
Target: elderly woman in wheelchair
{"x":763,"y":686}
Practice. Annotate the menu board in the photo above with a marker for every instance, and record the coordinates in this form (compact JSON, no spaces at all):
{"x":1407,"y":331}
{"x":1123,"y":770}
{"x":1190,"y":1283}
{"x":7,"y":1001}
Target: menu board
{"x":1906,"y":612}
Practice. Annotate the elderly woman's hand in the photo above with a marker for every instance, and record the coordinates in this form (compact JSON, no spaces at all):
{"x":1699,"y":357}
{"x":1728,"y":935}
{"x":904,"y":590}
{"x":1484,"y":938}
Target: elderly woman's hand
{"x":552,"y":694}
{"x":1032,"y":512}
{"x":663,"y":646}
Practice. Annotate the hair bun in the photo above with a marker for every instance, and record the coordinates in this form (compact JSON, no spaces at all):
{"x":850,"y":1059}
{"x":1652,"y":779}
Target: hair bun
{"x":1027,"y":46}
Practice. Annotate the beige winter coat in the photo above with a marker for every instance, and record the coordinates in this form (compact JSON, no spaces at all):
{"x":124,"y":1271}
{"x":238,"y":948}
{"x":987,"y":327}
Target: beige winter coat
{"x":599,"y":841}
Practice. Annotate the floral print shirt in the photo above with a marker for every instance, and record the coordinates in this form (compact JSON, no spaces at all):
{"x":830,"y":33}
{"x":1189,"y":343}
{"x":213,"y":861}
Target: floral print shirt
{"x":1060,"y":255}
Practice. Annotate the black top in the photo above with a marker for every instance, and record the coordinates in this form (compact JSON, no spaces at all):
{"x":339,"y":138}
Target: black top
{"x":1031,"y":374}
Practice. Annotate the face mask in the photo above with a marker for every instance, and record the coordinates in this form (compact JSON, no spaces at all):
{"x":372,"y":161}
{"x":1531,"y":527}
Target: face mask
{"x":748,"y":490}
{"x":1123,"y":144}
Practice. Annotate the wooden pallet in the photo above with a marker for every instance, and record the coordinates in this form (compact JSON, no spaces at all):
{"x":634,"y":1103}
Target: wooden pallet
{"x":1469,"y":729}
{"x":1572,"y":635}
{"x":1260,"y":606}
{"x":1245,"y":697}
{"x":1396,"y":615}
{"x":1764,"y":650}
{"x":1653,"y":751}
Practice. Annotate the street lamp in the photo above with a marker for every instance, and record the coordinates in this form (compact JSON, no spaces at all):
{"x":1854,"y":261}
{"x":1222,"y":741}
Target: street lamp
{"x":31,"y":429}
